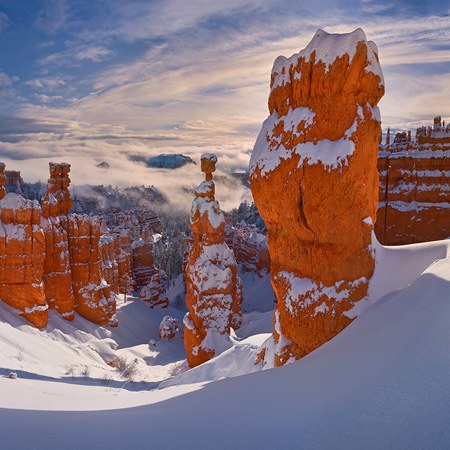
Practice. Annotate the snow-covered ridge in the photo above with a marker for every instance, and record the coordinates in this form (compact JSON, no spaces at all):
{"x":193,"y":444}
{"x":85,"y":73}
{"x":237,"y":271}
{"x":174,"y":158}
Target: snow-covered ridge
{"x":16,"y":201}
{"x":327,"y":47}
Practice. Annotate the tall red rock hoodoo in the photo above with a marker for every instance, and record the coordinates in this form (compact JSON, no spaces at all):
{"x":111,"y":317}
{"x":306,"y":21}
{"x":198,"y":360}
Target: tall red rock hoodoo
{"x":21,"y":255}
{"x":57,"y":271}
{"x":314,"y":180}
{"x":213,"y":289}
{"x":73,"y":274}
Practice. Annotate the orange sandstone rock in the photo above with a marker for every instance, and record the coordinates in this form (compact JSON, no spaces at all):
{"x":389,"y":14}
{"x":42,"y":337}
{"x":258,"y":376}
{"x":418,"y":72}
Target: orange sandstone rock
{"x":57,"y":271}
{"x":143,"y":263}
{"x":155,"y":292}
{"x":213,"y":289}
{"x":94,"y":298}
{"x":169,"y":328}
{"x":414,"y":200}
{"x":249,"y":247}
{"x":314,"y":180}
{"x":22,"y":249}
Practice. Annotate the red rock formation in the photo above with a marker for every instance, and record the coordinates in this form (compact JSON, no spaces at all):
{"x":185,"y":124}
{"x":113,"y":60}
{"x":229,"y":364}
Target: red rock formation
{"x":249,"y":246}
{"x":150,"y":281}
{"x":57,"y":271}
{"x":109,"y":249}
{"x":21,"y":256}
{"x":2,"y":180}
{"x":14,"y":182}
{"x":115,"y":250}
{"x":213,"y":289}
{"x":155,"y":292}
{"x":169,"y":328}
{"x":143,"y":264}
{"x":94,"y":298}
{"x":73,"y":270}
{"x":315,"y":183}
{"x":414,"y":200}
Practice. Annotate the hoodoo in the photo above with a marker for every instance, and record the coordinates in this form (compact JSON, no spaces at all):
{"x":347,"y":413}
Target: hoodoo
{"x":22,"y":255}
{"x":314,"y":180}
{"x":213,"y":289}
{"x":56,"y":206}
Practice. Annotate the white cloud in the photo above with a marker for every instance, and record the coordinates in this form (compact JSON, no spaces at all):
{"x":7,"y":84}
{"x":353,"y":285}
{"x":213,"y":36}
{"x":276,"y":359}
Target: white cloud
{"x":45,"y":83}
{"x":93,"y":53}
{"x":4,"y":20}
{"x":53,"y":16}
{"x":203,"y":88}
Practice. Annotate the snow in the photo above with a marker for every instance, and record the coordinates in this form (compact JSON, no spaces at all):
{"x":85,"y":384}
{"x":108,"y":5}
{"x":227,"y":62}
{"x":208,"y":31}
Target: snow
{"x":269,"y":151}
{"x":413,"y":205}
{"x":381,"y":383}
{"x":209,"y":156}
{"x":204,"y":205}
{"x":304,"y":292}
{"x":296,"y":116}
{"x":16,"y":201}
{"x":327,"y":47}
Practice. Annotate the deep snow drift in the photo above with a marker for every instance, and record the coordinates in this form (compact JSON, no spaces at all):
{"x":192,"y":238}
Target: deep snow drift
{"x":381,"y":383}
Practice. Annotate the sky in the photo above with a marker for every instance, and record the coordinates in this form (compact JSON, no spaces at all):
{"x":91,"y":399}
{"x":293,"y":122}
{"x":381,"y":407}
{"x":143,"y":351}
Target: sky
{"x":87,"y":81}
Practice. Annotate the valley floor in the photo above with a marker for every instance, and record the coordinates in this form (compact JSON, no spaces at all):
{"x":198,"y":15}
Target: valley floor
{"x":383,"y":383}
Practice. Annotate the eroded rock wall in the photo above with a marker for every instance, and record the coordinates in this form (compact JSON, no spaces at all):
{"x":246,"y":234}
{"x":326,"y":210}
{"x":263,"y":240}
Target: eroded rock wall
{"x":94,"y":298}
{"x":414,"y":201}
{"x":314,"y":180}
{"x":22,"y":253}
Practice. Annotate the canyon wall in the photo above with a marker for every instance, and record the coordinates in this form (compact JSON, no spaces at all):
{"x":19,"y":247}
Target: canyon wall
{"x":50,"y":258}
{"x":314,"y":179}
{"x":22,"y":253}
{"x":249,"y":246}
{"x":414,"y":198}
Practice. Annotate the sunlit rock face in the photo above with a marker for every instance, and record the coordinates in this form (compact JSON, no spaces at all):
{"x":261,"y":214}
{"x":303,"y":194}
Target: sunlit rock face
{"x":414,"y":203}
{"x":56,"y":206}
{"x":94,"y":298}
{"x":22,"y":249}
{"x":73,"y":275}
{"x":213,"y":289}
{"x":314,"y":180}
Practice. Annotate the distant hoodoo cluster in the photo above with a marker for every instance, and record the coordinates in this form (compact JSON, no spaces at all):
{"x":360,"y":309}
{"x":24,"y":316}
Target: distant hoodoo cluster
{"x":414,"y":201}
{"x":314,"y":180}
{"x":213,"y":289}
{"x":51,"y":258}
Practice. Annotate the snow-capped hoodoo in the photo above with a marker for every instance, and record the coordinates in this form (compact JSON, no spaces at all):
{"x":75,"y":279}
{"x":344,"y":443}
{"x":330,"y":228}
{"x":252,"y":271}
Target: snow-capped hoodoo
{"x":315,"y":182}
{"x":213,"y":289}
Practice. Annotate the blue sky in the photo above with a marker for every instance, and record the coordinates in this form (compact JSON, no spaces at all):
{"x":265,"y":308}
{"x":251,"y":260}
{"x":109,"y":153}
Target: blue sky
{"x":95,"y":80}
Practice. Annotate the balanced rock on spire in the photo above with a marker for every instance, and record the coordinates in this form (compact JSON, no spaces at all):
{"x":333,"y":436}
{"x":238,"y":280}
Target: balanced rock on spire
{"x":213,"y":289}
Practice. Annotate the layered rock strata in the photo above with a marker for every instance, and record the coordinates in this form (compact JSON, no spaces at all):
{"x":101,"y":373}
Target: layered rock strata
{"x":115,"y":251}
{"x":150,"y":281}
{"x":314,"y":180}
{"x":213,"y":289}
{"x":56,"y":206}
{"x":94,"y":298}
{"x":249,"y":246}
{"x":22,"y":255}
{"x":414,"y":201}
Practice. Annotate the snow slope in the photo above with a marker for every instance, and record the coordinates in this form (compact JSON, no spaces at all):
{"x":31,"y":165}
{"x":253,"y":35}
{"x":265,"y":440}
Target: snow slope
{"x":382,"y":383}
